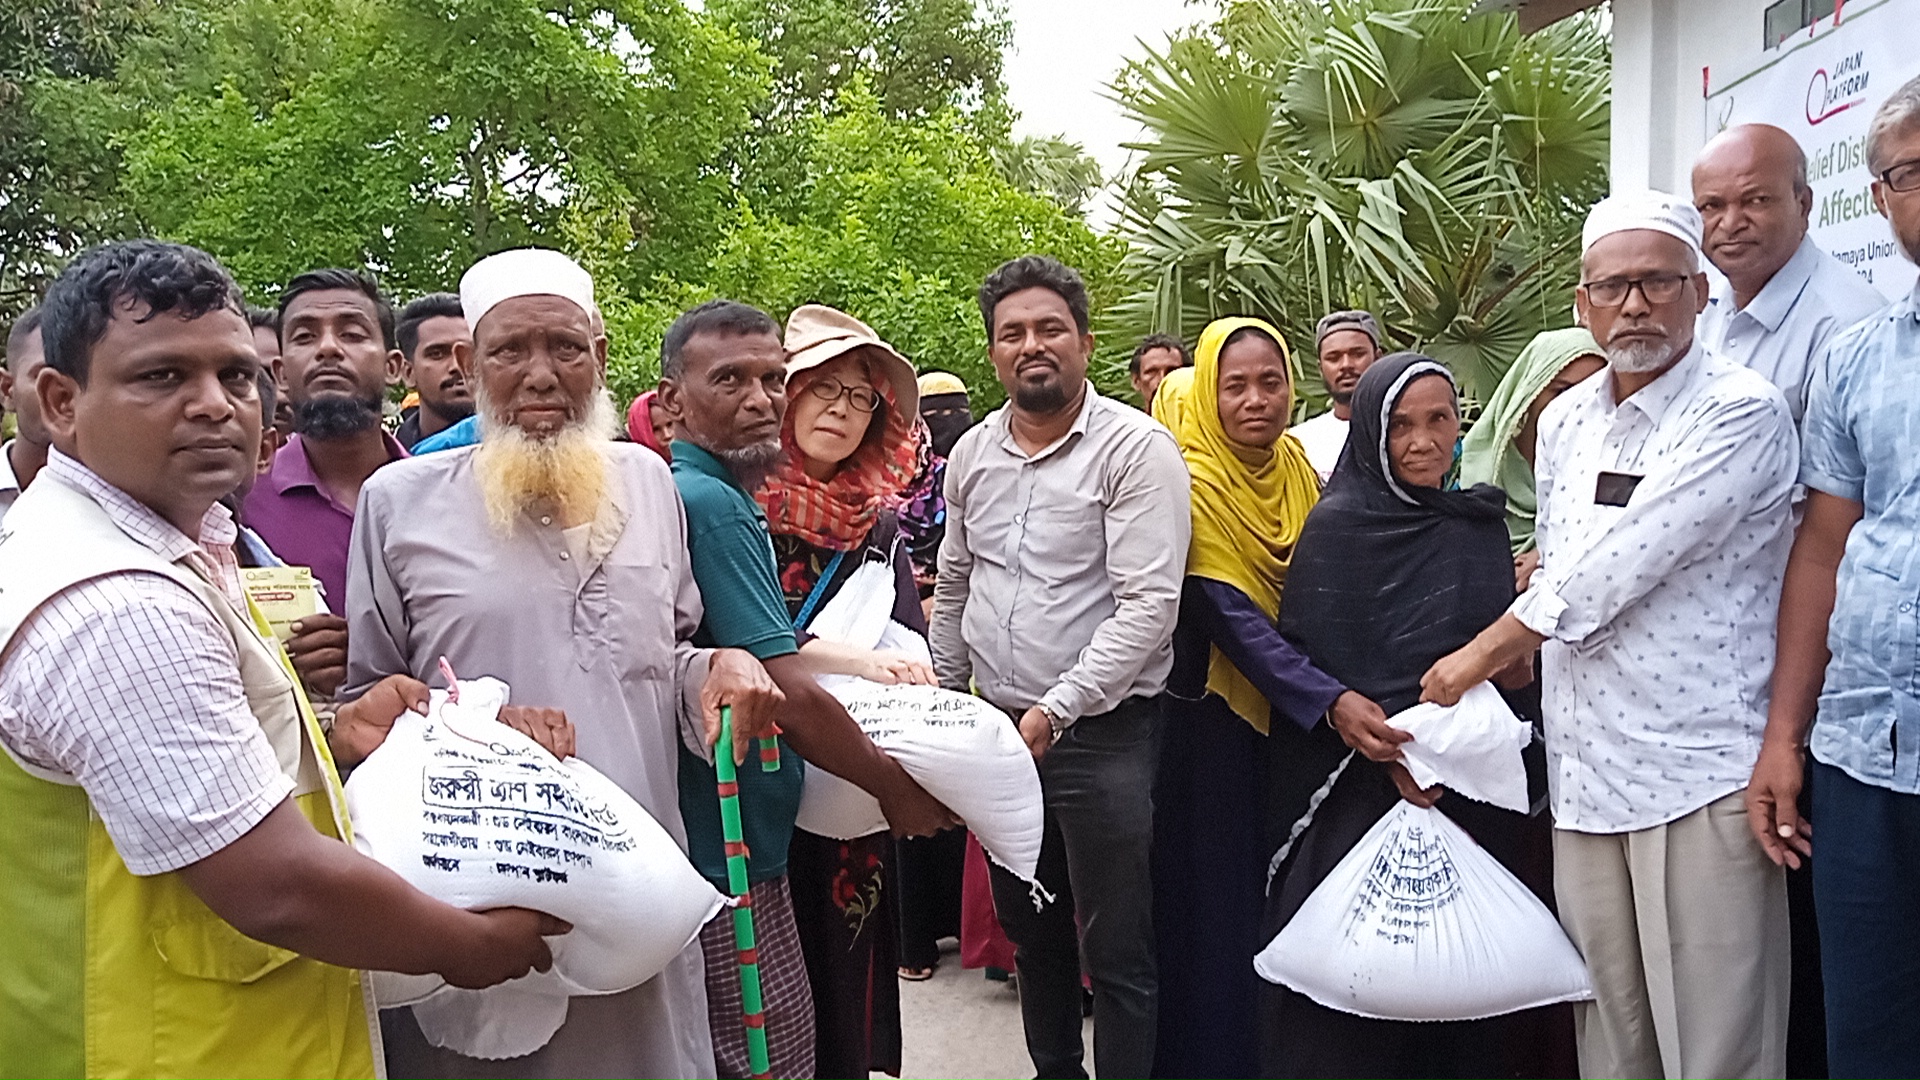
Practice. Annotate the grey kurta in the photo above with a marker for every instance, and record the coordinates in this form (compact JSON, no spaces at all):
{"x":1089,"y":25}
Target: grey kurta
{"x":603,"y":634}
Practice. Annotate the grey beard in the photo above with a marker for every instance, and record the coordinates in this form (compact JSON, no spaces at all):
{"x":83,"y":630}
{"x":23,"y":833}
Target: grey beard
{"x":336,"y":417}
{"x":750,"y":464}
{"x":1639,"y":357}
{"x":1045,"y":399}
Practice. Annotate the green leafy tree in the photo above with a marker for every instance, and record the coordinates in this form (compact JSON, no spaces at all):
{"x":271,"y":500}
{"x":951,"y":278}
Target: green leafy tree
{"x":641,"y":136}
{"x":1052,"y":166}
{"x":1397,"y":155}
{"x":57,"y":168}
{"x":917,"y":57}
{"x":436,"y":131}
{"x":899,"y":223}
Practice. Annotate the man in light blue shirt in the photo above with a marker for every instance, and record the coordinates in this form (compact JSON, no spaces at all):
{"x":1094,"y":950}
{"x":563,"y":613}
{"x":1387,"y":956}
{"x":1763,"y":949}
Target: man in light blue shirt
{"x":1782,"y":298}
{"x":1847,"y":667}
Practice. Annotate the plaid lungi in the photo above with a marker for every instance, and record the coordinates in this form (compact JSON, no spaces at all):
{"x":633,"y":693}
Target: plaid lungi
{"x":783,"y":986}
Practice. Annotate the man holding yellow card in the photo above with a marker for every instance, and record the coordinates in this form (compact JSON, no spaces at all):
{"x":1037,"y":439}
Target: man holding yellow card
{"x":174,"y":825}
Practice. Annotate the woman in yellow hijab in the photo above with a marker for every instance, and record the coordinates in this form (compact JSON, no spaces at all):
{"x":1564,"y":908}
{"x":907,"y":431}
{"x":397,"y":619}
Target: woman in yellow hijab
{"x":1233,"y":672}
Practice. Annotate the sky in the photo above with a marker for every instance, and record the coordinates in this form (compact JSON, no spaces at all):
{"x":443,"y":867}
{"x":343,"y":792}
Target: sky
{"x":1064,"y":54}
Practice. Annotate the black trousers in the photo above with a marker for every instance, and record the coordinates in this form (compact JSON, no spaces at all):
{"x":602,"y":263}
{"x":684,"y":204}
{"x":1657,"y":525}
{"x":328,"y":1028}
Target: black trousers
{"x":1094,"y":860}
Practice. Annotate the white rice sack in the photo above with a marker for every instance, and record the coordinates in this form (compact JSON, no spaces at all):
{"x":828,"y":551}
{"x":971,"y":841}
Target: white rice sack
{"x":1419,"y":922}
{"x":477,"y":814}
{"x":1472,"y":747}
{"x":965,"y":752}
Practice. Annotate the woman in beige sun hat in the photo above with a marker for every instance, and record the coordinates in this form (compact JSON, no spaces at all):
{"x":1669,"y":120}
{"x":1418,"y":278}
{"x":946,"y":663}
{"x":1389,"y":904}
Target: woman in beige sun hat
{"x":849,"y":448}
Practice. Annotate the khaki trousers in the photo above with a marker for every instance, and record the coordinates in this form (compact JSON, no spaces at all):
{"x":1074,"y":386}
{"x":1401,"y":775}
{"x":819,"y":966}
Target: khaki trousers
{"x":1684,"y":930}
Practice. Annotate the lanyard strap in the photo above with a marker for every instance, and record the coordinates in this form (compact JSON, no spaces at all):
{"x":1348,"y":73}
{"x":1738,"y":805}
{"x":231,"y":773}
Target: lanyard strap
{"x":819,"y":591}
{"x":315,"y":738}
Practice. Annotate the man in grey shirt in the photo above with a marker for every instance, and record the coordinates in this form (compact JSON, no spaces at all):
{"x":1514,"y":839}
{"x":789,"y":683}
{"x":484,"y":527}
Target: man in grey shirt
{"x":1067,"y":529}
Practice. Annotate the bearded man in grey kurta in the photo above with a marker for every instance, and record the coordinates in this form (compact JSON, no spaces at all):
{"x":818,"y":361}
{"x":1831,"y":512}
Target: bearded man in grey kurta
{"x":554,"y":559}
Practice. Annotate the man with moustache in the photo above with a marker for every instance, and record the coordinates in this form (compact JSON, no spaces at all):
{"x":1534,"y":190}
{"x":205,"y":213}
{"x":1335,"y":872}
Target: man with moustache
{"x":265,"y":323}
{"x":1067,"y":526}
{"x":1156,"y":357}
{"x":1844,"y":687}
{"x":1664,"y":520}
{"x":723,"y":375}
{"x":1347,"y":343}
{"x":428,"y":331}
{"x":466,"y":432}
{"x":338,"y":355}
{"x":179,"y":899}
{"x":554,"y":558}
{"x":1783,"y":298}
{"x":23,"y":456}
{"x":1781,"y":301}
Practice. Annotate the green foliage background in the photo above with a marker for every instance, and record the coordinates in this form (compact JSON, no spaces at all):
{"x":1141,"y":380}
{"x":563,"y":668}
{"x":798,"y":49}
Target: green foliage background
{"x":847,"y":152}
{"x":1401,"y":156}
{"x":1398,"y":155}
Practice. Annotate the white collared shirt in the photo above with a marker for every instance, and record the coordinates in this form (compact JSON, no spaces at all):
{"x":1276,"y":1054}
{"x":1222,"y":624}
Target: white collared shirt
{"x":1061,"y":570}
{"x":1786,"y":326}
{"x":9,"y":483}
{"x":1659,"y":614}
{"x":128,"y":684}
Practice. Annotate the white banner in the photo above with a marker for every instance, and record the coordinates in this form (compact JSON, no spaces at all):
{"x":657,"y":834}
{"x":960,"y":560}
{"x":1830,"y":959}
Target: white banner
{"x":1822,"y":85}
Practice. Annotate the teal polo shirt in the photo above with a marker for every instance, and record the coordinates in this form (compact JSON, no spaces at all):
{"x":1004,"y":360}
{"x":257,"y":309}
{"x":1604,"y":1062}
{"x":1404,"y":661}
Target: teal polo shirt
{"x":732,"y":558}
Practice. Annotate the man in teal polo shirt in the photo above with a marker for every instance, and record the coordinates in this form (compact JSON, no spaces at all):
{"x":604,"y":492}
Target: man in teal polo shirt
{"x":723,"y":372}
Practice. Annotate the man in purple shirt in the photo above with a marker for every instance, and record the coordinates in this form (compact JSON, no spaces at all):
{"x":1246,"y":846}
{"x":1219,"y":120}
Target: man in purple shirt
{"x":338,"y":355}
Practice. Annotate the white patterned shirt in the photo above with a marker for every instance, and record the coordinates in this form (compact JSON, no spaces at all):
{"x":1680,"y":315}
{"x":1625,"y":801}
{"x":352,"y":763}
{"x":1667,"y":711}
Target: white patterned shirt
{"x":1660,"y":613}
{"x":129,"y":685}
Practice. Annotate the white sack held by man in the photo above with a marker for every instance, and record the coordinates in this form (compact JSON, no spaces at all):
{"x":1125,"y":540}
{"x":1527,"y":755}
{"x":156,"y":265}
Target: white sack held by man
{"x":475,"y":813}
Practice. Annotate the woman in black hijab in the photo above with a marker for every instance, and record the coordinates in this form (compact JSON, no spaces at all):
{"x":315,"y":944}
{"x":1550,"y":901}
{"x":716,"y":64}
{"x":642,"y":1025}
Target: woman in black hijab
{"x":1394,"y":569}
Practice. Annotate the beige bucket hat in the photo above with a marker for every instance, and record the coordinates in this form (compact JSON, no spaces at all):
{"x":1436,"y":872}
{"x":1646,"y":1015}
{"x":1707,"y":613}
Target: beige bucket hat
{"x":817,"y":333}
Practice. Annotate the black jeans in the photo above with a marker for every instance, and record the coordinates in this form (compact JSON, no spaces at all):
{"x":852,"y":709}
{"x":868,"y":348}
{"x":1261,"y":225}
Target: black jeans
{"x":1098,"y":782}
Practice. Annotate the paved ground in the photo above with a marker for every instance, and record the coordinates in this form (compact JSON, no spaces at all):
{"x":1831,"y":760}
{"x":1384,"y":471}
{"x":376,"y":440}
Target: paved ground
{"x":957,"y":1024}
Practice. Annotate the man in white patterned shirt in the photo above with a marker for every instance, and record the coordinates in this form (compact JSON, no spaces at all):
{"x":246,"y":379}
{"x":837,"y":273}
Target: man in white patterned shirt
{"x":1665,"y":518}
{"x":178,"y":896}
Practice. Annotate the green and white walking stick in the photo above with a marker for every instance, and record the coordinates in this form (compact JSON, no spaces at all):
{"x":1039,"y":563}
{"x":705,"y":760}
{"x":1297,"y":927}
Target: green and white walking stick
{"x":752,"y":1008}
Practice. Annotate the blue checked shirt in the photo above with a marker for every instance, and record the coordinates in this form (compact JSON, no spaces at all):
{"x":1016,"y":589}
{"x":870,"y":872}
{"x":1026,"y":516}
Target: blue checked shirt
{"x":1862,"y":442}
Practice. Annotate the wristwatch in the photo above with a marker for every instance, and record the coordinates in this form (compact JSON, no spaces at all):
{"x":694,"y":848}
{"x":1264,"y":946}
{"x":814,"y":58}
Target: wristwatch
{"x":1055,"y":721}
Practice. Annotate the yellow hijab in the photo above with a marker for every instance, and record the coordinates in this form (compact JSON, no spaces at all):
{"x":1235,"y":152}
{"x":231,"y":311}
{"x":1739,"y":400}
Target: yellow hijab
{"x":1246,"y":518}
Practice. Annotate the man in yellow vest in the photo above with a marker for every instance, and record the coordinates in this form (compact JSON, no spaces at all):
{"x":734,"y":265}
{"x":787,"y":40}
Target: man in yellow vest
{"x":178,"y":899}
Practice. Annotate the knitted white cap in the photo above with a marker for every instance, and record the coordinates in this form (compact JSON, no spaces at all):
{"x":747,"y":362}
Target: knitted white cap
{"x":523,"y":272}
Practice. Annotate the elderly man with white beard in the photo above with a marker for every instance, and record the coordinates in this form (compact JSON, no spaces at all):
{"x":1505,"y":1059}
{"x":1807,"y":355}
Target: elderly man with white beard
{"x":1664,"y":525}
{"x":555,"y":559}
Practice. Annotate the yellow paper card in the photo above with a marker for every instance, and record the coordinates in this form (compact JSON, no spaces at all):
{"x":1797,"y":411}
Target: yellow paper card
{"x":284,"y":594}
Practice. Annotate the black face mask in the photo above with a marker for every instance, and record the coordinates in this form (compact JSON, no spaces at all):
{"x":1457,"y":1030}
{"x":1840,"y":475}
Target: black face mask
{"x":947,"y":423}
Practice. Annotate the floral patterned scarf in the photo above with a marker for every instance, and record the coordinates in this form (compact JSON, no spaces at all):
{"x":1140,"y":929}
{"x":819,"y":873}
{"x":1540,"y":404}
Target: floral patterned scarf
{"x":838,"y":513}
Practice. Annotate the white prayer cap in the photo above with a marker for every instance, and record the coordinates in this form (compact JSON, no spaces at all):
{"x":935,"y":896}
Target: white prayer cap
{"x":523,"y":272}
{"x":1654,"y":210}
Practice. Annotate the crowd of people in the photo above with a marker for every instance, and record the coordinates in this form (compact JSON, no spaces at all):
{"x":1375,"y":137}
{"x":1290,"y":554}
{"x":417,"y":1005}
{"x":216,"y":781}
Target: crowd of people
{"x":1682,"y":539}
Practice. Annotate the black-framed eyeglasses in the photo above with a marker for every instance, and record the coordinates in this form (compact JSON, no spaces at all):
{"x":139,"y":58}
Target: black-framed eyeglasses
{"x":1657,"y":288}
{"x":863,"y":398}
{"x":1903,"y":177}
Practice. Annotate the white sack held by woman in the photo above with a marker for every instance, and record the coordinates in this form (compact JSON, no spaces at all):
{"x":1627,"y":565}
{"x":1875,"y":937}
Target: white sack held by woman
{"x":474,"y":813}
{"x":1418,"y":921}
{"x":965,"y":752}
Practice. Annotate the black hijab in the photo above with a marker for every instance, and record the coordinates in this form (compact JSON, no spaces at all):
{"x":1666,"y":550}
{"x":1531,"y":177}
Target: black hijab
{"x":1388,"y":578}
